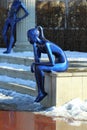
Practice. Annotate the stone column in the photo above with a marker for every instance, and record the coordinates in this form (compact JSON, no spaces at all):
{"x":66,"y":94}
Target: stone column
{"x":23,"y":26}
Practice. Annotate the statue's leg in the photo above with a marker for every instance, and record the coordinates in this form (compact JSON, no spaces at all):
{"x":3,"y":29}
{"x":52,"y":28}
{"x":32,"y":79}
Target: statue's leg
{"x":39,"y":75}
{"x":11,"y":38}
{"x":4,"y":33}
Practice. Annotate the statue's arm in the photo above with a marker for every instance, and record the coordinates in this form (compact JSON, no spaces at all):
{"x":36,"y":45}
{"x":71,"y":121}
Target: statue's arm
{"x":25,"y":10}
{"x":50,"y":55}
{"x":36,"y":58}
{"x":26,"y":13}
{"x":36,"y":55}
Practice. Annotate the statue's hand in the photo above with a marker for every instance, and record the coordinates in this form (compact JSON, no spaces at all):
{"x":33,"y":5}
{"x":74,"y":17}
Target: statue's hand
{"x":33,"y":67}
{"x":18,"y":19}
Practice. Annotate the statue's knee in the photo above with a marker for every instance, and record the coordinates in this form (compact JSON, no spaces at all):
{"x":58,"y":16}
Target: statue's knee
{"x":38,"y":68}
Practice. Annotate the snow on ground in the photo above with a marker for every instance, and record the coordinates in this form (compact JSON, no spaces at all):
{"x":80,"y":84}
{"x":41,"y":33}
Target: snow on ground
{"x":18,"y":81}
{"x":76,"y":56}
{"x":12,"y":100}
{"x":71,"y":55}
{"x":15,"y":66}
{"x":73,"y":110}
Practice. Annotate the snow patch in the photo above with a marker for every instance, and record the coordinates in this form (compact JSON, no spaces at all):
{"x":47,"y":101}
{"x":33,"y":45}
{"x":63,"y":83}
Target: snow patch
{"x":18,"y":81}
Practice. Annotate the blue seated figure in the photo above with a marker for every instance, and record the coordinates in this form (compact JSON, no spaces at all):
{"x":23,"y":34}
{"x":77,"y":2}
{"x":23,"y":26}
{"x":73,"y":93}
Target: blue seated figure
{"x":11,"y":22}
{"x":57,"y":58}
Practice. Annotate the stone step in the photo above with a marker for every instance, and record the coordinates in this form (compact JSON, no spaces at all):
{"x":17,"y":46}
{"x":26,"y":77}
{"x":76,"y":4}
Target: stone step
{"x":27,"y":59}
{"x":78,"y":63}
{"x":16,"y":59}
{"x":16,"y":71}
{"x":19,"y":85}
{"x":24,"y":58}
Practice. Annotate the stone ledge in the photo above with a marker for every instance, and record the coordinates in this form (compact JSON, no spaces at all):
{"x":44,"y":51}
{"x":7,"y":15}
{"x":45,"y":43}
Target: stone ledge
{"x":65,"y":86}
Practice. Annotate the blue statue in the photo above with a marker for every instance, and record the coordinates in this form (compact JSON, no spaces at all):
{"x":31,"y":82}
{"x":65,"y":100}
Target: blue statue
{"x":11,"y":22}
{"x":57,"y":58}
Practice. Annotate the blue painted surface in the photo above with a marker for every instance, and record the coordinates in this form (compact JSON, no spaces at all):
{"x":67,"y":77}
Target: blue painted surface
{"x":57,"y":58}
{"x":11,"y":22}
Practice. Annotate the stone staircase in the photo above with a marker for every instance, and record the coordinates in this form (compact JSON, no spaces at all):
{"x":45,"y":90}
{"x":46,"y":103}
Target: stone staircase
{"x":15,"y":73}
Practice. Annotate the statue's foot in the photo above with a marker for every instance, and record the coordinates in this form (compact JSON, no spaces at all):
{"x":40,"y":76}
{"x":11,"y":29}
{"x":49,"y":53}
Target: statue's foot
{"x":6,"y":52}
{"x":40,"y":97}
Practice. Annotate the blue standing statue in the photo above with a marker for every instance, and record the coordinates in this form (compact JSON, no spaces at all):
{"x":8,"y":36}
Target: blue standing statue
{"x":11,"y":22}
{"x":57,"y":58}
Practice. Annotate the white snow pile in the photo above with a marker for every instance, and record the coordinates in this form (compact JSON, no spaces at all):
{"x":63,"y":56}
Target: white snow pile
{"x":73,"y":112}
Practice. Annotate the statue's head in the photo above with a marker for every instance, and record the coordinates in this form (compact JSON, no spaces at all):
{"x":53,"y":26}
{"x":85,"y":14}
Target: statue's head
{"x":33,"y":35}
